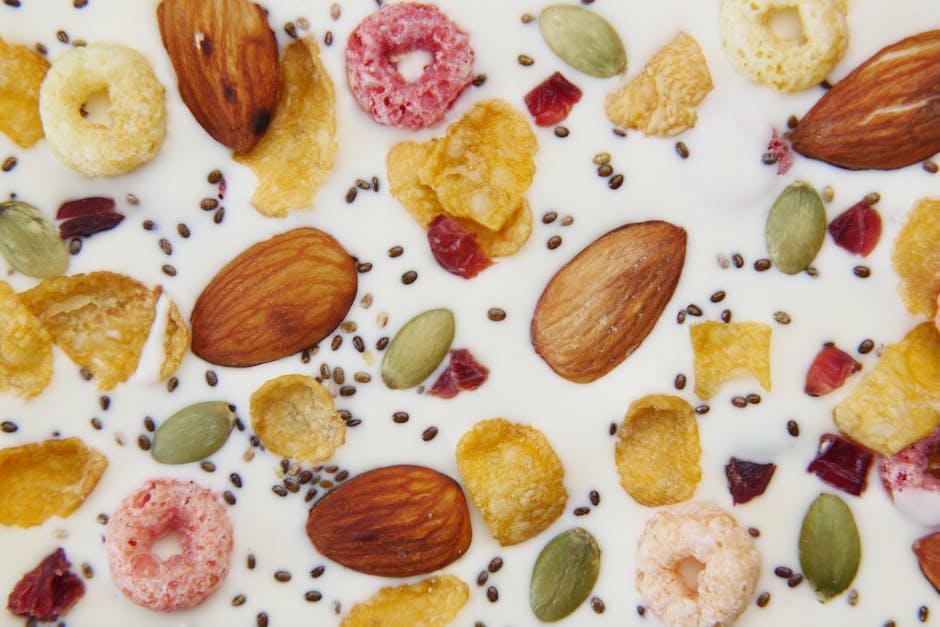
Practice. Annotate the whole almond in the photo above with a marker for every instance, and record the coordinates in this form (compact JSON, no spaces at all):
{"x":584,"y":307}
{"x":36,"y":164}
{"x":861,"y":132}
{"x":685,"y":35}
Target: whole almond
{"x":225,"y":57}
{"x":927,"y":550}
{"x":884,"y":115}
{"x":395,"y":521}
{"x":603,"y":303}
{"x":278,"y":297}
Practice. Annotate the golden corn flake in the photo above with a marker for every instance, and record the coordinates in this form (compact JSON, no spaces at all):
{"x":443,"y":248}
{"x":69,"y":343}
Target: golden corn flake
{"x":509,"y":239}
{"x":296,"y":154}
{"x":432,"y":602}
{"x":483,"y":165}
{"x":916,"y":258}
{"x":46,"y":479}
{"x":658,"y":452}
{"x":724,"y":351}
{"x":661,"y":100}
{"x":101,"y":320}
{"x":294,"y":416}
{"x":21,"y":73}
{"x":898,"y":401}
{"x":25,"y":347}
{"x":514,"y":477}
{"x":175,"y":342}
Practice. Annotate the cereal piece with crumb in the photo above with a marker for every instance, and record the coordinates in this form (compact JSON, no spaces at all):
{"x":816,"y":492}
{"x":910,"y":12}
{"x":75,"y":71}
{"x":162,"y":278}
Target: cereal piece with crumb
{"x":432,"y":602}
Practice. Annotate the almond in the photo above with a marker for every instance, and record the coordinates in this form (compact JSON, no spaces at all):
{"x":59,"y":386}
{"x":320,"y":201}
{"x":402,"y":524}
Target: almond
{"x":927,"y":550}
{"x":395,"y":521}
{"x":225,"y":57}
{"x":603,"y":303}
{"x":884,"y":115}
{"x":278,"y":297}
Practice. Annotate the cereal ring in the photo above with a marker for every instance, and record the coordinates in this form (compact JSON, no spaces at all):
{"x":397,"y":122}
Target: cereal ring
{"x":910,"y":478}
{"x":786,"y":64}
{"x":137,"y":110}
{"x":205,"y":534}
{"x":380,"y":89}
{"x":683,"y":537}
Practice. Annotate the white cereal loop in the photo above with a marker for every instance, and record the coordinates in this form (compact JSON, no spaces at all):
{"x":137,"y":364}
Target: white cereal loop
{"x":137,"y":110}
{"x":787,"y":65}
{"x":696,"y":532}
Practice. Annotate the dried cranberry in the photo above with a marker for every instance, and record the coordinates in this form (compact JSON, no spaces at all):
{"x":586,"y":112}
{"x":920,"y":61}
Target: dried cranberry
{"x":89,"y":224}
{"x":779,"y":149}
{"x":552,"y":99}
{"x":446,"y":385}
{"x":463,"y":372}
{"x":842,"y":463}
{"x":747,"y":480}
{"x":857,"y":229}
{"x":85,"y":207}
{"x":456,"y":248}
{"x":829,"y":370}
{"x":48,"y":591}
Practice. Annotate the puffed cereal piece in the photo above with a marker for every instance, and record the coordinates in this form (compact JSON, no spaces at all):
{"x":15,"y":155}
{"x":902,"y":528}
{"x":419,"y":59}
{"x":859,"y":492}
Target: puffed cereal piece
{"x":21,"y":73}
{"x":431,"y":602}
{"x":724,"y":351}
{"x":514,"y":477}
{"x":101,"y":320}
{"x":916,"y":258}
{"x":898,"y":401}
{"x":294,"y":416}
{"x":45,"y":479}
{"x":658,"y":453}
{"x":25,"y":347}
{"x":175,"y":342}
{"x":661,"y":99}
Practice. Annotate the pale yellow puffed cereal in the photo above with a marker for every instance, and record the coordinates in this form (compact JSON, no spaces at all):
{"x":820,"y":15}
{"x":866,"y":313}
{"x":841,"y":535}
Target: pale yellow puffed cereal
{"x":787,"y":64}
{"x":916,"y":258}
{"x":514,"y":477}
{"x":661,"y":99}
{"x":25,"y":347}
{"x":724,"y":351}
{"x":431,"y":602}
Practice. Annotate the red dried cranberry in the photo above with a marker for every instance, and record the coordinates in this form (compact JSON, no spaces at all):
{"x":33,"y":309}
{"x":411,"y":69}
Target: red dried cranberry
{"x":747,"y":480}
{"x":552,"y":99}
{"x":446,"y":385}
{"x":842,"y":463}
{"x":89,"y":224}
{"x":779,"y":150}
{"x":857,"y":229}
{"x":463,"y":372}
{"x":85,"y":207}
{"x":829,"y":370}
{"x":48,"y":591}
{"x":456,"y":248}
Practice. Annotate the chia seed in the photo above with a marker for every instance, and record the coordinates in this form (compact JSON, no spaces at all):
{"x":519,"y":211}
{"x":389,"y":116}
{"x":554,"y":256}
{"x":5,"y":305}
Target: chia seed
{"x":605,"y":170}
{"x":238,"y":600}
{"x":279,"y":489}
{"x":166,"y":246}
{"x":208,"y":204}
{"x":359,"y":344}
{"x":701,"y":410}
{"x":793,"y":428}
{"x":168,"y":270}
{"x":207,"y":466}
{"x":567,"y":221}
{"x":96,"y":424}
{"x":694,"y":310}
{"x":737,"y":260}
{"x":754,"y":532}
{"x":381,"y":343}
{"x":328,"y":38}
{"x":680,"y":381}
{"x":495,"y":564}
{"x":726,"y":315}
{"x":784,"y":572}
{"x":429,"y":434}
{"x":615,"y":181}
{"x":395,"y":251}
{"x":362,"y":377}
{"x":762,"y":265}
{"x":562,"y":131}
{"x":409,"y":277}
{"x":148,"y":225}
{"x":479,"y":79}
{"x":717,"y":297}
{"x":347,"y":390}
{"x":482,"y":578}
{"x":931,"y":167}
{"x":212,"y":379}
{"x":601,"y":158}
{"x":143,"y":442}
{"x":866,"y":346}
{"x":753,"y":399}
{"x":312,"y":596}
{"x":525,"y":60}
{"x":251,"y":561}
{"x":782,"y":317}
{"x":262,"y":619}
{"x":75,"y":246}
{"x":228,"y":497}
{"x":400,"y":417}
{"x":597,"y":605}
{"x":317,"y":571}
{"x":8,"y":426}
{"x":8,"y":164}
{"x":496,"y":314}
{"x":549,"y":217}
{"x":680,"y":316}
{"x":282,"y":576}
{"x":922,"y":612}
{"x":739,"y":401}
{"x":862,"y":272}
{"x":219,"y":215}
{"x":763,"y":599}
{"x":336,"y":342}
{"x":872,"y":198}
{"x":795,"y":580}
{"x":492,"y":594}
{"x":236,"y":479}
{"x":595,"y":497}
{"x":682,"y":150}
{"x":183,"y":230}
{"x":62,"y":36}
{"x":581,"y":511}
{"x":553,"y":242}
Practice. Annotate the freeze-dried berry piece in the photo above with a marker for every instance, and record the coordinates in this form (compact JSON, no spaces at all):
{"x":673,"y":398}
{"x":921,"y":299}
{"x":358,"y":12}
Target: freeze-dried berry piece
{"x":842,"y":463}
{"x":829,"y":370}
{"x":85,"y":207}
{"x":747,"y":480}
{"x":463,"y":372}
{"x":89,"y":224}
{"x":778,"y":151}
{"x":550,"y":101}
{"x":48,"y":591}
{"x":456,"y":248}
{"x":857,"y":229}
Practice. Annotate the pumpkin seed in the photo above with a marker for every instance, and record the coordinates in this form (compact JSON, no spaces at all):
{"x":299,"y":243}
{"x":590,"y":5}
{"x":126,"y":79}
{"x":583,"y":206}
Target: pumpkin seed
{"x":418,"y":348}
{"x":564,"y":574}
{"x":583,"y":39}
{"x":795,"y":228}
{"x":830,"y":548}
{"x":193,"y":433}
{"x":30,"y":243}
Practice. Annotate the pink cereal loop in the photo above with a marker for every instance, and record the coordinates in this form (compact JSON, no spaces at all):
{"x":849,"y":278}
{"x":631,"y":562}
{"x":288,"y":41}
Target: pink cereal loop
{"x":182,"y":580}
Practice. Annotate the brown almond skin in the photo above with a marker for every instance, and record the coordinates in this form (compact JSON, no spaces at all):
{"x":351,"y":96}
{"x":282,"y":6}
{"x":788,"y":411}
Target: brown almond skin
{"x":276,"y":298}
{"x":927,"y":550}
{"x":229,"y":79}
{"x":884,"y":115}
{"x":603,"y":303}
{"x":395,"y":521}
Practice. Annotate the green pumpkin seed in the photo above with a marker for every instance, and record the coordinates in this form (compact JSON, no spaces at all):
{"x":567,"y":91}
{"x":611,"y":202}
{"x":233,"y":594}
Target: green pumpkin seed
{"x":564,"y":574}
{"x":418,"y":348}
{"x":830,"y":548}
{"x":193,"y":433}
{"x":796,"y":228}
{"x":30,"y":243}
{"x":583,"y":39}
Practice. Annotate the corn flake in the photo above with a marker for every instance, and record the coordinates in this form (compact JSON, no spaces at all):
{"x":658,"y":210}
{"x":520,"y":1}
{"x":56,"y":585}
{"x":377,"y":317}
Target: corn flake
{"x":431,"y":602}
{"x":658,"y":452}
{"x":101,"y":320}
{"x":25,"y":347}
{"x":916,"y":258}
{"x":513,"y":476}
{"x":175,"y":342}
{"x":898,"y":402}
{"x":724,"y":351}
{"x":46,"y":479}
{"x":294,"y":416}
{"x":296,"y":154}
{"x":21,"y":73}
{"x":661,"y":100}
